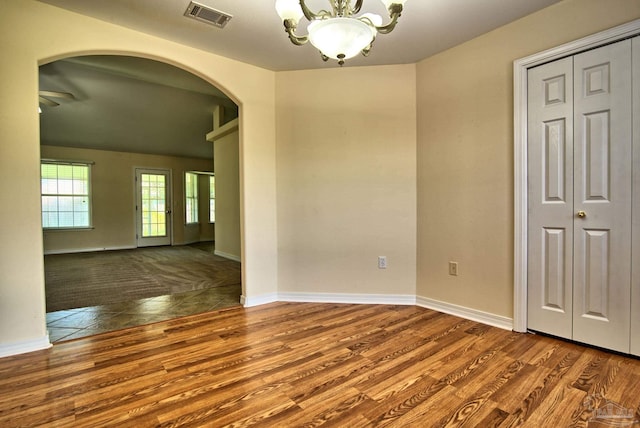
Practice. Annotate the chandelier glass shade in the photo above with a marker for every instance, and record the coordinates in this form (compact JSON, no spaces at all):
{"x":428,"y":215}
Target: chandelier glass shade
{"x":340,"y":33}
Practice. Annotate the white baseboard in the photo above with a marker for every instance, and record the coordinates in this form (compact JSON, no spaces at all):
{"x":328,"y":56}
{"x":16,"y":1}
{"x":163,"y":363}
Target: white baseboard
{"x":88,"y":250}
{"x":467,"y":313}
{"x":25,"y":346}
{"x":374,"y":299}
{"x":383,"y":299}
{"x":263,"y":299}
{"x":227,"y":256}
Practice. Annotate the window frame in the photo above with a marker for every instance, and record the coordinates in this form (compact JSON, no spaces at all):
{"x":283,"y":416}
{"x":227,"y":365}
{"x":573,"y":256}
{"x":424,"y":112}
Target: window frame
{"x":87,"y":195}
{"x":191,"y":208}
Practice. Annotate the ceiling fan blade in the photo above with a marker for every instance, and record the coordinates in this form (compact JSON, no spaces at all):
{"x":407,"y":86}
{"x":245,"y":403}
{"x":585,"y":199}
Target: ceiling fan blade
{"x":47,"y":102}
{"x":57,"y":94}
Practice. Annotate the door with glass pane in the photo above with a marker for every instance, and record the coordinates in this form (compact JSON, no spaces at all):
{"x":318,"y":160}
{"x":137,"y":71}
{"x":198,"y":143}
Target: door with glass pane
{"x":153,"y":207}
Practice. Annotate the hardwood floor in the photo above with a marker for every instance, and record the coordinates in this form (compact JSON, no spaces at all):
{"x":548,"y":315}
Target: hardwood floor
{"x":308,"y":364}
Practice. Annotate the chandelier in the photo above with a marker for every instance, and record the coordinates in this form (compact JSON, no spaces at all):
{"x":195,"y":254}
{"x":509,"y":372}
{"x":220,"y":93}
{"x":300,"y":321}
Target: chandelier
{"x":338,"y":34}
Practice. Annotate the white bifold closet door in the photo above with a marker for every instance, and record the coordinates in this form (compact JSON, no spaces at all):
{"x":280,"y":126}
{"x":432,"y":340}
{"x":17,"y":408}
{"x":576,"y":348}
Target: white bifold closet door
{"x":635,"y":225}
{"x":580,"y":197}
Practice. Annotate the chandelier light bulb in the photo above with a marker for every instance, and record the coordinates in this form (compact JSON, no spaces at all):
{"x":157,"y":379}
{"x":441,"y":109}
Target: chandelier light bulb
{"x":289,"y":9}
{"x":374,"y":18}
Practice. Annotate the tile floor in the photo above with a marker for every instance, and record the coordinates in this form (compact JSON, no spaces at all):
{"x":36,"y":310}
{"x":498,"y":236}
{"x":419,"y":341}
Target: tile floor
{"x":82,"y":322}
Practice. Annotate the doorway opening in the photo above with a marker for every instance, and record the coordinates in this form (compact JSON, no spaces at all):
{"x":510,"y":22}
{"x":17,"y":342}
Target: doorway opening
{"x":132,"y":118}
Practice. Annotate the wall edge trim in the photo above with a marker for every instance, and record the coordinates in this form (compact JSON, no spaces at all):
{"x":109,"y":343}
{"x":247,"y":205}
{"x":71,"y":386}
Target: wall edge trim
{"x":88,"y":250}
{"x":350,"y":298}
{"x":262,"y":299}
{"x":227,"y":256}
{"x":494,"y":320}
{"x":24,"y":346}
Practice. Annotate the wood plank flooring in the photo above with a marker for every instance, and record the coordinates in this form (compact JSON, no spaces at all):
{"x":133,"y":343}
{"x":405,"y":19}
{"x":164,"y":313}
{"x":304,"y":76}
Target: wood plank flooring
{"x":308,"y":364}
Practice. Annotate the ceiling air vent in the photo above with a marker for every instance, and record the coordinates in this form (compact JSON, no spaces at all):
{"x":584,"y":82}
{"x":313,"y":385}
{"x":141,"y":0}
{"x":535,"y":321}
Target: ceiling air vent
{"x":208,"y":15}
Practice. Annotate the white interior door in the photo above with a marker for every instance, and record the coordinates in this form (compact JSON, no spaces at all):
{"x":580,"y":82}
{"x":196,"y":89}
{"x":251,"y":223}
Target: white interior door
{"x":579,"y":231}
{"x":635,"y":226}
{"x":602,"y":196}
{"x":153,"y":207}
{"x":550,"y":229}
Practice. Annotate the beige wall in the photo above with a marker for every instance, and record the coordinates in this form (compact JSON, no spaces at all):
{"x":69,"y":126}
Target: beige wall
{"x":26,"y":40}
{"x":346,"y":180}
{"x":113,"y":199}
{"x":465,"y":151}
{"x":227,"y":168}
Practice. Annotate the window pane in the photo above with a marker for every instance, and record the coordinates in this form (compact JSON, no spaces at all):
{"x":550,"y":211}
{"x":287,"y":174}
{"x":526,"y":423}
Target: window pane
{"x":80,"y":204}
{"x":49,"y":171}
{"x":49,"y":186}
{"x":65,"y":219}
{"x":45,"y":220}
{"x":59,"y":183}
{"x":65,"y":187}
{"x":212,"y":199}
{"x":49,"y":203}
{"x":65,"y":172}
{"x":79,"y":187}
{"x":52,"y":219}
{"x":191,"y":197}
{"x":81,"y":219}
{"x":65,"y":203}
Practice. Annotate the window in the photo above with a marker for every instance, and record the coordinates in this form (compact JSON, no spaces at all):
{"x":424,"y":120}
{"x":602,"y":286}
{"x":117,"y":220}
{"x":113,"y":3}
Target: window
{"x":66,"y":201}
{"x":191,"y":197}
{"x":212,"y":199}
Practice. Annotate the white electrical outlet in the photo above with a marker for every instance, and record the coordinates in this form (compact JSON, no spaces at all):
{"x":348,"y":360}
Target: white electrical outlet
{"x":382,"y":262}
{"x":453,"y":268}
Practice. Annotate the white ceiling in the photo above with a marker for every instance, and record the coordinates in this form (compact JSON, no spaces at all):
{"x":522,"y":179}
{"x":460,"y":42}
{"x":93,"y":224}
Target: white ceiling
{"x":137,"y":105}
{"x":255,"y":34}
{"x":129,"y":104}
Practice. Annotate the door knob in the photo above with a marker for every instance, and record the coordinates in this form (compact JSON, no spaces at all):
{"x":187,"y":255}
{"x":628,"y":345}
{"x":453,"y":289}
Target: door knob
{"x":582,"y":214}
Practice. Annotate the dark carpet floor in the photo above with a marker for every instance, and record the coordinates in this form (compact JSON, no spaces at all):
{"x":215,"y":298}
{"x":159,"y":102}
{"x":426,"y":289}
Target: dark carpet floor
{"x":100,"y":278}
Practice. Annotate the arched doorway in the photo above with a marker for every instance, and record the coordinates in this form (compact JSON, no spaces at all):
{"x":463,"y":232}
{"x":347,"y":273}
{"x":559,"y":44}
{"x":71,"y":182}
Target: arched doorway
{"x":129,"y":118}
{"x":23,"y":326}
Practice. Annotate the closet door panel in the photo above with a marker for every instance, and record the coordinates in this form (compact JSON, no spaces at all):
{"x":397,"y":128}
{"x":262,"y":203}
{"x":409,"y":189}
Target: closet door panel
{"x":602,"y":196}
{"x":635,"y":274}
{"x":550,"y":228}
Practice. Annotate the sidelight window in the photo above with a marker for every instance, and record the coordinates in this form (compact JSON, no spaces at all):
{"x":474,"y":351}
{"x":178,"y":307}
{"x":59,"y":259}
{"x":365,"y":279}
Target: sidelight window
{"x":191,"y":197}
{"x":212,"y":199}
